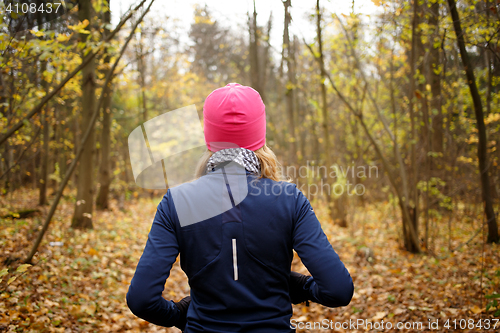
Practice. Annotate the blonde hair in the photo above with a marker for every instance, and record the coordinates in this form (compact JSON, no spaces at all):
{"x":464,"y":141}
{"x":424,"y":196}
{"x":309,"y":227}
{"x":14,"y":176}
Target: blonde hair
{"x":270,"y":167}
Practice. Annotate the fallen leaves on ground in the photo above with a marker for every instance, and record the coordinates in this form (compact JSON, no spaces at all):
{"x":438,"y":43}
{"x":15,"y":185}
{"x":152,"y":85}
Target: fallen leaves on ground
{"x":79,"y":279}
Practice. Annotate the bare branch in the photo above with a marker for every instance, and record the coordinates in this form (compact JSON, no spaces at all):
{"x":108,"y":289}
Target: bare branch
{"x":84,"y":140}
{"x":68,"y":77}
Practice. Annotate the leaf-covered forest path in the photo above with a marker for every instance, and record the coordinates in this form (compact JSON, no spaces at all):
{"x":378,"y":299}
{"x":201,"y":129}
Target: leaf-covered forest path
{"x":80,"y":278}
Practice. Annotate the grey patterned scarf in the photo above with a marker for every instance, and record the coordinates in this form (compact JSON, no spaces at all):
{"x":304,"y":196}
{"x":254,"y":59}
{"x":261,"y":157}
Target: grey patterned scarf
{"x":244,"y":157}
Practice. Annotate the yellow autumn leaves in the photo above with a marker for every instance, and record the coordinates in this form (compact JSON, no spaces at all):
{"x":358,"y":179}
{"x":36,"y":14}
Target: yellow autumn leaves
{"x":18,"y":272}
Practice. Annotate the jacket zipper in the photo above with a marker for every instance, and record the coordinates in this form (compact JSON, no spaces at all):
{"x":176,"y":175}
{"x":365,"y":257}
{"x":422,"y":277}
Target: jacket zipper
{"x":235,"y":260}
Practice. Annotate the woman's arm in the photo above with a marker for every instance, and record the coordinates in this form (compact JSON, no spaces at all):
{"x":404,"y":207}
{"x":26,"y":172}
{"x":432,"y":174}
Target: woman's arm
{"x":331,"y":284}
{"x":144,"y":295}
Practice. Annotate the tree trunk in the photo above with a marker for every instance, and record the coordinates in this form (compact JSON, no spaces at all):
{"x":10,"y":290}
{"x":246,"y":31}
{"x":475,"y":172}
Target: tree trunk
{"x":436,"y":139}
{"x":59,"y":153}
{"x":266,"y":67}
{"x":254,"y":52}
{"x":481,"y":128}
{"x":337,"y":212}
{"x":413,"y":193}
{"x":102,"y":201}
{"x":324,"y":107}
{"x":45,"y":160}
{"x":435,"y":83}
{"x":42,"y":199}
{"x":141,"y":66}
{"x":290,"y":85}
{"x":82,"y":217}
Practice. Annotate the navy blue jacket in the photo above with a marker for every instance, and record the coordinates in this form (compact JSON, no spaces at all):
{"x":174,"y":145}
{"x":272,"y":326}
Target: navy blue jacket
{"x":238,"y":262}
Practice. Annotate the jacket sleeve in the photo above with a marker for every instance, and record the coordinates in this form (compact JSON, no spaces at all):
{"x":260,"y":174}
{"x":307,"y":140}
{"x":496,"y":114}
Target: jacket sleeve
{"x":144,"y":297}
{"x":331,"y":284}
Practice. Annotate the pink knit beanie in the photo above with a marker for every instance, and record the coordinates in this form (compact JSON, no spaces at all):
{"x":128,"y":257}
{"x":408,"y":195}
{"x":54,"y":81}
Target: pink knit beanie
{"x":234,"y":115}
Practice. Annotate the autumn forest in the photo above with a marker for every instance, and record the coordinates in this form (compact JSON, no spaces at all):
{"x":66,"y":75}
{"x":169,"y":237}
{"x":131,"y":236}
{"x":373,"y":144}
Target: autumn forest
{"x":388,"y":122}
